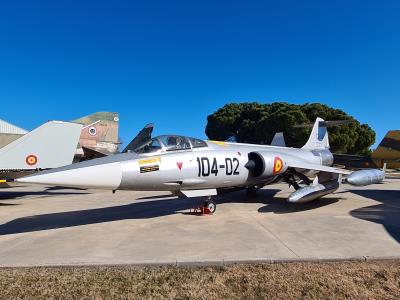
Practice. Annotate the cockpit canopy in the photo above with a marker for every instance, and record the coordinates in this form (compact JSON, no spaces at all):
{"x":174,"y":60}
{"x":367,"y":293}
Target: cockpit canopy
{"x":166,"y":143}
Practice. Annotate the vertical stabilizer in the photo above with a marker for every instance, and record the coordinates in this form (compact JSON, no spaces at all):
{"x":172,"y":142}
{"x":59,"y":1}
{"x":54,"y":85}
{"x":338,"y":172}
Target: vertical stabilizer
{"x":388,"y":150}
{"x":51,"y":145}
{"x":319,"y":137}
{"x":99,"y":132}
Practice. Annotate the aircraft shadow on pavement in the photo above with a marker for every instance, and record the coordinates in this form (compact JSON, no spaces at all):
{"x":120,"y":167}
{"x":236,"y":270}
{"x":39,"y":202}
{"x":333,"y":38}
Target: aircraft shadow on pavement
{"x":18,"y":194}
{"x":57,"y":188}
{"x":137,"y":210}
{"x":281,"y":206}
{"x":386,"y":213}
{"x":278,"y":205}
{"x":161,"y":206}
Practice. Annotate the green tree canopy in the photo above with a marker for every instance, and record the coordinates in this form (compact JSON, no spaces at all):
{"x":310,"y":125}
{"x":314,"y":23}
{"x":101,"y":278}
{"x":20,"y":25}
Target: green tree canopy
{"x":257,"y":123}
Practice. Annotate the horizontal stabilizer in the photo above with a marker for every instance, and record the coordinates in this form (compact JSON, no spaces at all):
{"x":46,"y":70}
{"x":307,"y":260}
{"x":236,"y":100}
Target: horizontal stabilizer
{"x":51,"y":145}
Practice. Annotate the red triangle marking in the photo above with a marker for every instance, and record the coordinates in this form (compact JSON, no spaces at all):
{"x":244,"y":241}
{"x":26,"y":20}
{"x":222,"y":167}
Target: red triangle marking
{"x":179,"y":164}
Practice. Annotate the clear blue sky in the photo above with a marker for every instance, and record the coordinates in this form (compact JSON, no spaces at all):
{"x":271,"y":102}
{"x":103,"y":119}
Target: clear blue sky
{"x":175,"y":62}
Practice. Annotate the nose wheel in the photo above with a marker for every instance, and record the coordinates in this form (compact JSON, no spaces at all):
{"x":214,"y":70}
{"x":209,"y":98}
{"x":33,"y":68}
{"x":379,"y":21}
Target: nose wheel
{"x":210,"y":205}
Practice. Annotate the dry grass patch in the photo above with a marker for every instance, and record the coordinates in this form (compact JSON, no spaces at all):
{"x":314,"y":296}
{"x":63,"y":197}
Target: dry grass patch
{"x":339,"y":280}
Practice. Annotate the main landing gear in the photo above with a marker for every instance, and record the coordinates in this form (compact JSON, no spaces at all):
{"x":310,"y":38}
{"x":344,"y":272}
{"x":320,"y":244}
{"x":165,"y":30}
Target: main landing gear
{"x":210,"y":205}
{"x":251,"y":191}
{"x":296,"y":179}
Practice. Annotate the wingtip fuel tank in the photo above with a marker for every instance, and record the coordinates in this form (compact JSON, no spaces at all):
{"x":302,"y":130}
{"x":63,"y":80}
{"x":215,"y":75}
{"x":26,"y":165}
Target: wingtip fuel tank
{"x":366,"y":177}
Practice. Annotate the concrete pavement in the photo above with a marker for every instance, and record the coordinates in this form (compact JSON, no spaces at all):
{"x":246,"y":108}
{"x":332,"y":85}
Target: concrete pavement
{"x":52,"y":226}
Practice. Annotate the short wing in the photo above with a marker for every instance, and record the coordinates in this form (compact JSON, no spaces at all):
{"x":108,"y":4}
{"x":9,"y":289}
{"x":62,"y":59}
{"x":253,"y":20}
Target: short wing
{"x":308,"y":166}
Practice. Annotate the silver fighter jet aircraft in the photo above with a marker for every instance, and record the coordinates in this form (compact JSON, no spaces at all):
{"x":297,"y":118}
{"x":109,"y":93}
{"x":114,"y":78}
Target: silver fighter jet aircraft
{"x":197,"y":168}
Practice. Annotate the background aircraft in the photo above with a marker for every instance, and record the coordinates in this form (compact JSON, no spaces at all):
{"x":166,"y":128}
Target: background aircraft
{"x":99,"y":136}
{"x":387,"y":152}
{"x":51,"y":145}
{"x":195,"y":168}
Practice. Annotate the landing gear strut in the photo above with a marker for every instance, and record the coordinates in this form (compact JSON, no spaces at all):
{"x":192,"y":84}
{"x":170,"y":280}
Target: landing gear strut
{"x":210,"y":205}
{"x":252,"y":191}
{"x":293,"y":178}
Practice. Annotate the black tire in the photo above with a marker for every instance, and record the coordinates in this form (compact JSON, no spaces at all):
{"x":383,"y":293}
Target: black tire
{"x":211,"y":206}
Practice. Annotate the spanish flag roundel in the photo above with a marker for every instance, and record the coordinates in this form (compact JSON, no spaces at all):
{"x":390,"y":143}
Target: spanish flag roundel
{"x":278,"y":164}
{"x":31,"y":160}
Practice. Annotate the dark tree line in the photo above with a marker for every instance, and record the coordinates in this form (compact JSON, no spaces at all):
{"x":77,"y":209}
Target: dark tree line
{"x":257,"y":123}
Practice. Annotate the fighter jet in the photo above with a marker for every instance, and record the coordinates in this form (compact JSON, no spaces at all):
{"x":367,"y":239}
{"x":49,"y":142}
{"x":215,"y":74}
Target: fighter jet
{"x":51,"y":145}
{"x":198,"y":168}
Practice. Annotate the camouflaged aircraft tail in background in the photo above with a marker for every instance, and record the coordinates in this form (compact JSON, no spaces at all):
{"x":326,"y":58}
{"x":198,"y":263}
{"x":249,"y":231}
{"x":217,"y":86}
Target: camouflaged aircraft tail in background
{"x":387,"y":152}
{"x":99,"y":135}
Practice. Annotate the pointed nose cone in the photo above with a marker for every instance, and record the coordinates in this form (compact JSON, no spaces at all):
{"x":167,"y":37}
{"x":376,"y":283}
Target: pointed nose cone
{"x":88,"y":174}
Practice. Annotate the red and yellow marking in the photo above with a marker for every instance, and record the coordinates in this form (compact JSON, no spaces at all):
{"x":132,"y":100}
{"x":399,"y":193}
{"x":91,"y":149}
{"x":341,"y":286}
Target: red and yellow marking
{"x":278,"y":164}
{"x":31,"y":160}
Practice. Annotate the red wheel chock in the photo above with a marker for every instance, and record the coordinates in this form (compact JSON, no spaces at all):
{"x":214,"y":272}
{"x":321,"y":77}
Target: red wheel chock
{"x":200,"y":211}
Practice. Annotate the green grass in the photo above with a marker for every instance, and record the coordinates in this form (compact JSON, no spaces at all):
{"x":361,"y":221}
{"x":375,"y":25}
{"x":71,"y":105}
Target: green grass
{"x":338,"y":280}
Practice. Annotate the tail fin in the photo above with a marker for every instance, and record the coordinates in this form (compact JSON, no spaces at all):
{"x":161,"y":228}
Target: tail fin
{"x":388,"y":150}
{"x":390,"y":143}
{"x":100,"y":126}
{"x":142,"y":137}
{"x":51,"y":145}
{"x":319,"y":136}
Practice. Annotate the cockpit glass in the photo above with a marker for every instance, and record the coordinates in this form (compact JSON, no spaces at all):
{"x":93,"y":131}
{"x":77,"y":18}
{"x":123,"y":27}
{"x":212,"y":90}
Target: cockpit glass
{"x":196,"y":143}
{"x":152,"y":146}
{"x":175,"y":142}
